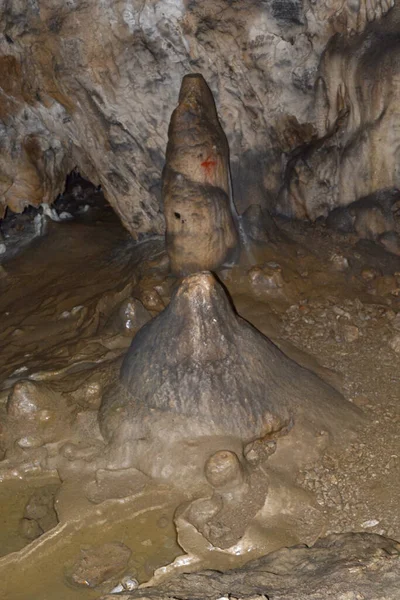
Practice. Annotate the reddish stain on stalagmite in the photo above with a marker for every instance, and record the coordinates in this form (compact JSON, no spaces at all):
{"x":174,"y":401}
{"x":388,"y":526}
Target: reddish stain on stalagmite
{"x":208,"y":166}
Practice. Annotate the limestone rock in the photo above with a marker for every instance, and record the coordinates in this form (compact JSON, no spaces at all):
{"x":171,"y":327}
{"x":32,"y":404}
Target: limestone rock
{"x":266,"y":279}
{"x":258,"y":224}
{"x":339,"y":262}
{"x":151,"y":301}
{"x":199,"y":372}
{"x":355,"y":111}
{"x":350,"y":333}
{"x":36,"y":415}
{"x":39,"y":514}
{"x":201,"y":232}
{"x":223,"y":470}
{"x":349,"y":566}
{"x":394,"y":343}
{"x":340,"y":219}
{"x":284,"y":74}
{"x":97,"y":564}
{"x":391,"y":242}
{"x":128,"y":317}
{"x":30,"y":529}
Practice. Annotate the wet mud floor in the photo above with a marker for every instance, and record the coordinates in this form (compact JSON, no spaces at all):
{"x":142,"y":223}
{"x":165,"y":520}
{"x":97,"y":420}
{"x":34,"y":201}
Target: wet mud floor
{"x":329,"y":301}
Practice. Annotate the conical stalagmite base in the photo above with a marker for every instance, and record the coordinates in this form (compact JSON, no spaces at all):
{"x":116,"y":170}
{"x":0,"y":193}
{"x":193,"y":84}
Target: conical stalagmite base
{"x":201,"y":232}
{"x":199,"y":374}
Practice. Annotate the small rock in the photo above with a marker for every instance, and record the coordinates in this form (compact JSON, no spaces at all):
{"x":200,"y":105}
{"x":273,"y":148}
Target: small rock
{"x":361,"y":401}
{"x":386,"y":284}
{"x":351,"y":333}
{"x":152,"y":301}
{"x":396,"y":322}
{"x":30,"y":441}
{"x":128,"y":317}
{"x":369,"y":274}
{"x":395,"y":343}
{"x":258,"y":451}
{"x":390,"y":240}
{"x":40,"y":507}
{"x":258,"y":224}
{"x":129,"y":583}
{"x":30,"y":529}
{"x":97,"y":564}
{"x":339,"y":262}
{"x":341,"y":313}
{"x":266,"y":278}
{"x":370,"y":523}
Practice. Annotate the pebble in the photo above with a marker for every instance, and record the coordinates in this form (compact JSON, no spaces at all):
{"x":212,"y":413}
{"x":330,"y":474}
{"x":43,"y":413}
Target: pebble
{"x":370,"y":523}
{"x":127,"y":583}
{"x":396,"y":322}
{"x":394,"y":343}
{"x":96,"y":564}
{"x":361,"y":401}
{"x":30,"y":529}
{"x":266,"y":278}
{"x":152,"y":300}
{"x":351,"y":333}
{"x":339,"y":262}
{"x":369,"y":274}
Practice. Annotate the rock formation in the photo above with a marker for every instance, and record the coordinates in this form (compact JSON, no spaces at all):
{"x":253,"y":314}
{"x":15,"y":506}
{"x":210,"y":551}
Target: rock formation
{"x":198,"y":379}
{"x":355,"y":151}
{"x":368,"y":217}
{"x":258,"y":225}
{"x":201,"y":232}
{"x":347,"y":566}
{"x":286,"y":77}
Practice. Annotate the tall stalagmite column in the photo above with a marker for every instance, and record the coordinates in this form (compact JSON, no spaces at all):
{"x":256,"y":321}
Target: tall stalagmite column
{"x":201,"y":231}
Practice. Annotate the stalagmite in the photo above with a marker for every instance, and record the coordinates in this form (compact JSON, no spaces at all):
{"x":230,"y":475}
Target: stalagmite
{"x":198,"y":379}
{"x":201,"y":232}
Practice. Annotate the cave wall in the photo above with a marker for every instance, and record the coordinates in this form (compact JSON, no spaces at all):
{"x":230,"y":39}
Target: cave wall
{"x":306,"y":92}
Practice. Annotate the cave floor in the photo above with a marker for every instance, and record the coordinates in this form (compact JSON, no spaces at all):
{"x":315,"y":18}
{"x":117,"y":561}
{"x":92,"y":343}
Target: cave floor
{"x":329,"y":301}
{"x":339,"y":304}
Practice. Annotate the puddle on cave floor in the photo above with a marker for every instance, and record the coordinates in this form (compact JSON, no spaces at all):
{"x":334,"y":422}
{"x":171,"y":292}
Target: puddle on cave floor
{"x":14,"y":496}
{"x":328,"y":301}
{"x":43,"y":574}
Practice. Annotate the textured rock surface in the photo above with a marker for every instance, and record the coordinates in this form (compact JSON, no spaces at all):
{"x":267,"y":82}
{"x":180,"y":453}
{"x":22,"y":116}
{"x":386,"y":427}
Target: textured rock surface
{"x":200,"y":372}
{"x":198,"y":209}
{"x":351,"y":566}
{"x":93,"y":84}
{"x":97,"y":564}
{"x":356,"y":151}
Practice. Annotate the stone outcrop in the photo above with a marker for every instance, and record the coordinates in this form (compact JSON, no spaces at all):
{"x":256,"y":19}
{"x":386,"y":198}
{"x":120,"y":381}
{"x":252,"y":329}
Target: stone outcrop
{"x":356,"y":149}
{"x":349,"y":566}
{"x":198,"y":379}
{"x":368,"y":217}
{"x":92,"y":85}
{"x":198,"y":208}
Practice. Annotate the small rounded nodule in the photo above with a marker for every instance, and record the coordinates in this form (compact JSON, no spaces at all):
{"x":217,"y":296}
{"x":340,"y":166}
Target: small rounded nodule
{"x":223,"y":469}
